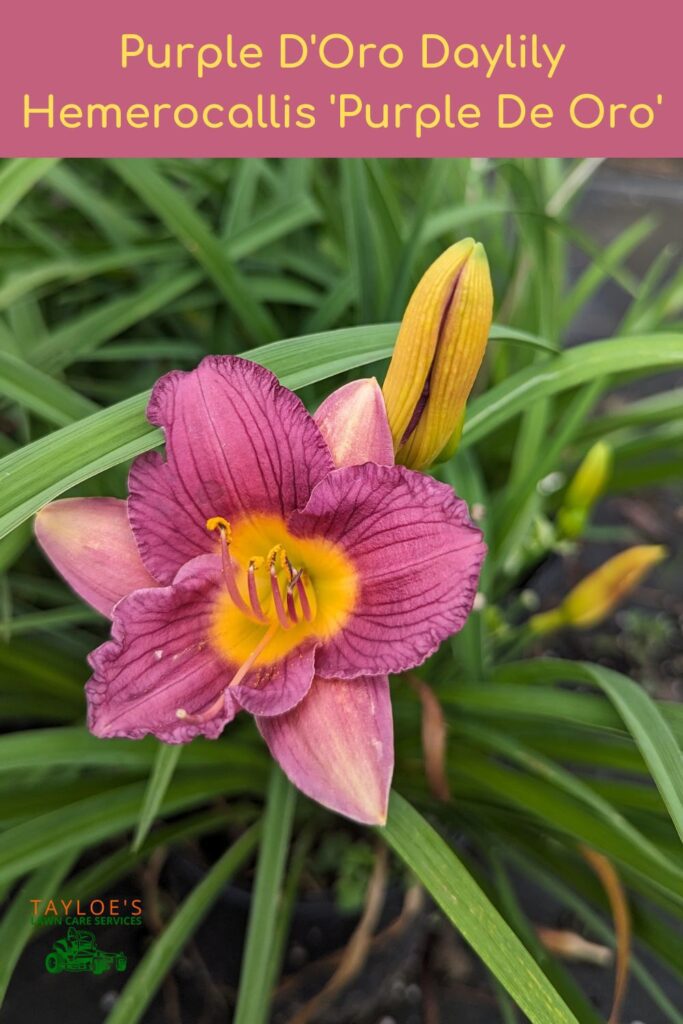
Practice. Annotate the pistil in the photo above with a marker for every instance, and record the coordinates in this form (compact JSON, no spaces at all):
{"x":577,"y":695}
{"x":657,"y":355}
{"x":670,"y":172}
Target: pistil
{"x":246,"y":666}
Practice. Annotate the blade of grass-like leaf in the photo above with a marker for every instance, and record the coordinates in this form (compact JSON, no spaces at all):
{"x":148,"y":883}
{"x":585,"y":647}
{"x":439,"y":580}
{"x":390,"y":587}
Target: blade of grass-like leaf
{"x":290,"y":889}
{"x":52,"y":619}
{"x":361,"y":240}
{"x":437,"y":176}
{"x":450,"y":220}
{"x":43,"y":669}
{"x":501,"y":700}
{"x":501,"y":332}
{"x":554,"y":971}
{"x":18,"y":177}
{"x":241,"y":196}
{"x":566,"y":894}
{"x":273,"y":224}
{"x":27,"y":324}
{"x":78,"y":337}
{"x":650,"y":731}
{"x":162,"y":349}
{"x":89,"y":821}
{"x":568,"y":370}
{"x":655,"y":728}
{"x":663,"y":407}
{"x":511,"y":523}
{"x":572,"y":184}
{"x":469,"y":910}
{"x":74,"y":745}
{"x":639,"y":314}
{"x":506,"y":1007}
{"x":16,"y":927}
{"x":110,"y":217}
{"x":253,"y":998}
{"x":608,"y":265}
{"x":162,"y":954}
{"x":559,"y":811}
{"x":37,"y":277}
{"x":512,"y":749}
{"x":165,"y":763}
{"x":171,"y":206}
{"x":13,"y":545}
{"x":105,"y":872}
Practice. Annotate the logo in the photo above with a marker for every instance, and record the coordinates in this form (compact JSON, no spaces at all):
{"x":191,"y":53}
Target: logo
{"x":79,"y":952}
{"x":73,"y":913}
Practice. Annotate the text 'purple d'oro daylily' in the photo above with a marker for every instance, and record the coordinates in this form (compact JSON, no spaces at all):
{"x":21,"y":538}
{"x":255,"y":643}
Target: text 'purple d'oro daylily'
{"x":276,"y":563}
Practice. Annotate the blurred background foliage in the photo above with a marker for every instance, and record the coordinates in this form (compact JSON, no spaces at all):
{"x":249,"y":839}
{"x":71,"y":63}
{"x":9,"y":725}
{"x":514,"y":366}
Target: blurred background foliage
{"x":113,"y":272}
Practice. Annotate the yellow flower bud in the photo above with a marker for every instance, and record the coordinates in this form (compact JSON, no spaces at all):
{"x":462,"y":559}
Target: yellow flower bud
{"x":599,"y":593}
{"x":438,"y":353}
{"x":584,"y":490}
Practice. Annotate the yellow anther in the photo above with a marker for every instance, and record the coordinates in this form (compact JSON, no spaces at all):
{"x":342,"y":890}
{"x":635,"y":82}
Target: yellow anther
{"x":255,"y":563}
{"x":218,"y":523}
{"x":273,"y":555}
{"x":286,"y":564}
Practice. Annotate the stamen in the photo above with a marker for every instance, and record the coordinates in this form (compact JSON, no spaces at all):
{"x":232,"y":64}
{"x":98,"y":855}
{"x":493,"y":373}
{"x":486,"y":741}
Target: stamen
{"x":254,"y":564}
{"x":215,"y":708}
{"x":219,"y":523}
{"x":287,"y":565}
{"x":223,"y":526}
{"x":273,"y":554}
{"x":303,"y":597}
{"x":291,"y":606}
{"x":277,"y":599}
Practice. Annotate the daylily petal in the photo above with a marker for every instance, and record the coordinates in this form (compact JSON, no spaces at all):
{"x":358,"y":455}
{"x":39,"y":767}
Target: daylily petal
{"x":159,"y":661}
{"x":279,"y":687}
{"x":90,"y":543}
{"x":337,"y":746}
{"x":417,"y":556}
{"x":353,"y":421}
{"x":237,"y":443}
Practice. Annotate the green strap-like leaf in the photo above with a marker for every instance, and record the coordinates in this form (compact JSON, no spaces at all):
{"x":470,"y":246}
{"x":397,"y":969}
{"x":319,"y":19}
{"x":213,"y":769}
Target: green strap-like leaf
{"x":171,"y":206}
{"x":657,"y":729}
{"x":18,"y":177}
{"x":165,"y":762}
{"x":650,"y":731}
{"x":91,"y":820}
{"x":466,"y":906}
{"x":645,"y":352}
{"x":162,"y":954}
{"x":253,"y":998}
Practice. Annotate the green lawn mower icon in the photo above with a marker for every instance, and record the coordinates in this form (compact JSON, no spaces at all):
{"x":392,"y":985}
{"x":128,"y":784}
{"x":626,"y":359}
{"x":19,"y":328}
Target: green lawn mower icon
{"x":79,"y":952}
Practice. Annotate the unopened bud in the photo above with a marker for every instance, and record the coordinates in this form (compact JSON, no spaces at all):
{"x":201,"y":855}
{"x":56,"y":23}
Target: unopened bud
{"x":599,"y":593}
{"x":438,"y":352}
{"x":588,"y":484}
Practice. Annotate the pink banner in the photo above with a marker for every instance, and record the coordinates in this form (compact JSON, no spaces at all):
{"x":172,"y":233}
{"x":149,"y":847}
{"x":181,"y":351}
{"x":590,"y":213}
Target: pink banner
{"x":151,"y":78}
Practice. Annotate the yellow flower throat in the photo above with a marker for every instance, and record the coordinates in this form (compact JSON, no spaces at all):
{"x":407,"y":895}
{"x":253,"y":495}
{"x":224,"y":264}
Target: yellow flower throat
{"x":278,"y":590}
{"x":278,"y":584}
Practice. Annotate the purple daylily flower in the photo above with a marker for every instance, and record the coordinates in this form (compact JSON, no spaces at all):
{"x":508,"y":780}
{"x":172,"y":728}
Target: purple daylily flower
{"x":273,"y":562}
